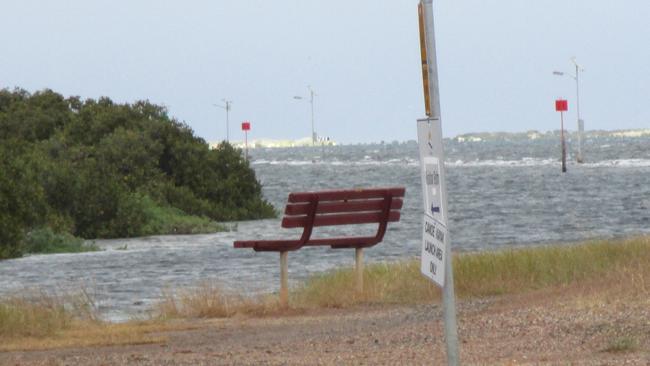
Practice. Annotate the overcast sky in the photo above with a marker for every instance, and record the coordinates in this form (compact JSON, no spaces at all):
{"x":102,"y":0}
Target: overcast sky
{"x":495,"y":60}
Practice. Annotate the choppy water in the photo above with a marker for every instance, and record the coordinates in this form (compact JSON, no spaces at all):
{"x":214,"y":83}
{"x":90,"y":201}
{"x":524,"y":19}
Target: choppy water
{"x":505,"y":193}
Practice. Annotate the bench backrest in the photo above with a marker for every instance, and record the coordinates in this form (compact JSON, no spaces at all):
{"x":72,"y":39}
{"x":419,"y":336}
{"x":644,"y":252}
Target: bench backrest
{"x":343,"y":207}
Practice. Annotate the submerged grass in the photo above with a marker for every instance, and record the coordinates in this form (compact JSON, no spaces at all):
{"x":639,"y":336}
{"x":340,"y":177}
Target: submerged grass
{"x":171,"y":220}
{"x":45,"y":241}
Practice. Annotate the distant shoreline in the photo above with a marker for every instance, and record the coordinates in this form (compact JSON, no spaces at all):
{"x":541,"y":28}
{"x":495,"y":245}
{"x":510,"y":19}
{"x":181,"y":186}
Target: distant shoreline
{"x":466,"y":137}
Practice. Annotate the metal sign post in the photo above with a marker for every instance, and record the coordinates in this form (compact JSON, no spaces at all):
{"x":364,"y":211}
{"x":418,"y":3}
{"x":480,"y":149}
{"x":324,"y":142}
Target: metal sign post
{"x":246,"y":126}
{"x":436,"y":251}
{"x":562,"y":106}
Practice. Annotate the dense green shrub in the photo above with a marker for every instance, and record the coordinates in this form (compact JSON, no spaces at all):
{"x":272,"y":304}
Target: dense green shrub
{"x":21,"y":197}
{"x":95,"y":168}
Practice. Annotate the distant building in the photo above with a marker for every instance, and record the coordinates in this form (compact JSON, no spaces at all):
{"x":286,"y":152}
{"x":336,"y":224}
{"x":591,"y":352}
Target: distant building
{"x":269,"y":143}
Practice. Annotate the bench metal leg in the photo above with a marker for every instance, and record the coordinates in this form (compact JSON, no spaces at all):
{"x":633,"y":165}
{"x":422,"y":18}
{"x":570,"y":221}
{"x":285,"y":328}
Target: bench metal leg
{"x":358,"y":265}
{"x":284,"y":281}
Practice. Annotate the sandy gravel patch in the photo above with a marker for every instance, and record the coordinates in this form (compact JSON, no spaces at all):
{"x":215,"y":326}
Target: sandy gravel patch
{"x":545,"y":328}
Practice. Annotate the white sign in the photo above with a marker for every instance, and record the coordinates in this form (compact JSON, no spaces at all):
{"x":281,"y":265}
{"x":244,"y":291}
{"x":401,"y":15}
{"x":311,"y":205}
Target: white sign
{"x":434,"y":246}
{"x":431,"y":186}
{"x":430,"y":144}
{"x":434,"y":229}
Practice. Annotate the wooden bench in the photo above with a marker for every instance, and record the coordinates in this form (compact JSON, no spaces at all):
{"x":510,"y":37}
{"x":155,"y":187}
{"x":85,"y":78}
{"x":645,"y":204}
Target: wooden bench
{"x":308,"y":210}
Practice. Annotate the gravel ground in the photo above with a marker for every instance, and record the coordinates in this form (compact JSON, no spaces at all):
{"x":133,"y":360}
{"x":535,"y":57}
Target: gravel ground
{"x":546,"y":328}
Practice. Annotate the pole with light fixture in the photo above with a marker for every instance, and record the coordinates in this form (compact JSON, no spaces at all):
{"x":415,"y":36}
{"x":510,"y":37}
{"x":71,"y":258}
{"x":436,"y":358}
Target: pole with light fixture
{"x":581,"y":123}
{"x":227,"y":107}
{"x":311,"y":102}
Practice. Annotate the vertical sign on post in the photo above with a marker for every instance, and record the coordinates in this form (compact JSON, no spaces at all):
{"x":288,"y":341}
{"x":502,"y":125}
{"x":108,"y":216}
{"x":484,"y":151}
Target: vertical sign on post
{"x":434,"y":230}
{"x":561,"y":105}
{"x":436,"y":249}
{"x":246,"y":126}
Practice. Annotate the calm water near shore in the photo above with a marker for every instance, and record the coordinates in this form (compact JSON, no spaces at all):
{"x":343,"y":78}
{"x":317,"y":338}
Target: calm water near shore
{"x":501,"y":194}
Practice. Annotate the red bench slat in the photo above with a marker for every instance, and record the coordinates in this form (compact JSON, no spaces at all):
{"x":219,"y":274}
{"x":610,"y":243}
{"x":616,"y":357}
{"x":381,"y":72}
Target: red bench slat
{"x":346,"y":194}
{"x":262,"y":245}
{"x":339,"y":219}
{"x":343,"y":241}
{"x":293,"y":209}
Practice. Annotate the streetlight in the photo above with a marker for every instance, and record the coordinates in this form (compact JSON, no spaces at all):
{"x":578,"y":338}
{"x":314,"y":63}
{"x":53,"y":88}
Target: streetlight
{"x":227,"y":107}
{"x":311,"y":101}
{"x":581,"y":123}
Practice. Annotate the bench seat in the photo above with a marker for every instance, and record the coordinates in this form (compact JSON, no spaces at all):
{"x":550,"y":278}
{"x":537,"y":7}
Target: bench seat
{"x":330,"y":208}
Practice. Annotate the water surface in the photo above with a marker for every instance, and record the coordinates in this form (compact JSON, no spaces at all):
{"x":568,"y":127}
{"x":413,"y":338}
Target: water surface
{"x":501,"y":194}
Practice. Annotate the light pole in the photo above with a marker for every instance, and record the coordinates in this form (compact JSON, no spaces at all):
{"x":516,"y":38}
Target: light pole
{"x":581,"y":123}
{"x":311,"y":101}
{"x":227,"y":107}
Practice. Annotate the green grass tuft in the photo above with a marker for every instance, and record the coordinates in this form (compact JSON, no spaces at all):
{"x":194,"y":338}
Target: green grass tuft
{"x":46,"y":241}
{"x":170,"y":220}
{"x":392,"y":283}
{"x":622,"y":344}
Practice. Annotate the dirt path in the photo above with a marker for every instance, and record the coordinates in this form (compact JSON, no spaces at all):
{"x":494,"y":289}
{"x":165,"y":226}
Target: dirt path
{"x":550,"y":327}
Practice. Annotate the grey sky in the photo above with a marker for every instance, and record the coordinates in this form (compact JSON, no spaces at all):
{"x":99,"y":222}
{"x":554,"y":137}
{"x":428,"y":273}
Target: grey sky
{"x":495,"y":60}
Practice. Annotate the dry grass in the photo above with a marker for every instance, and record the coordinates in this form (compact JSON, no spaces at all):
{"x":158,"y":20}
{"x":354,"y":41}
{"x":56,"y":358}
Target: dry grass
{"x":39,"y":318}
{"x":488,"y":274}
{"x":39,"y":314}
{"x":512,"y":271}
{"x":85,"y":334}
{"x":387,"y":283}
{"x":475,"y":275}
{"x":209,"y":300}
{"x":42,"y":321}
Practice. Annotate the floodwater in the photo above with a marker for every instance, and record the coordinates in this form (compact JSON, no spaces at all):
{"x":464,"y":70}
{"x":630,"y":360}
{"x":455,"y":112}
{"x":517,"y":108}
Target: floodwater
{"x":501,"y":194}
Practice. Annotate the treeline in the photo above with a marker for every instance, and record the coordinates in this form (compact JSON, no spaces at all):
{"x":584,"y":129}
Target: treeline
{"x":99,"y":169}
